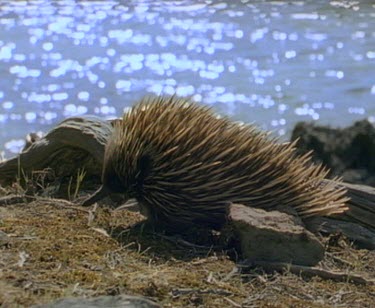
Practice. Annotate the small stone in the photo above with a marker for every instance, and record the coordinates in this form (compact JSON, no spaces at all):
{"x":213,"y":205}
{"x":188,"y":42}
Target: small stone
{"x":273,"y":236}
{"x":4,"y":239}
{"x":118,"y":301}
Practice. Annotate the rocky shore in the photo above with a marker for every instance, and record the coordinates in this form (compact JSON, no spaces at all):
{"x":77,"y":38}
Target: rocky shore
{"x":349,"y":152}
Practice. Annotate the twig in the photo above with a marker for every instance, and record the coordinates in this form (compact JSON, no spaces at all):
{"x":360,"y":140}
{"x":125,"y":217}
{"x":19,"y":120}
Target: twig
{"x":60,"y":202}
{"x":310,"y":271}
{"x":14,"y":199}
{"x":101,"y":231}
{"x":177,"y":292}
{"x":11,"y":199}
{"x":92,"y":214}
{"x":76,"y":208}
{"x":180,"y":241}
{"x":131,"y":204}
{"x":233,"y":303}
{"x":337,"y":259}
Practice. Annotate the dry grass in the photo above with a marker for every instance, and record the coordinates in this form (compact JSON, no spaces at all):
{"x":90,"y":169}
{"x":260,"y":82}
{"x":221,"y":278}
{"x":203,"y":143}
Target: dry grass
{"x":58,"y":251}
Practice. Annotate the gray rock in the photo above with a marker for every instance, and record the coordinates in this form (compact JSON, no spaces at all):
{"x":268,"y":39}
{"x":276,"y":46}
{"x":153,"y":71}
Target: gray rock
{"x":118,"y":301}
{"x":273,"y":236}
{"x":349,"y":152}
{"x":4,"y":239}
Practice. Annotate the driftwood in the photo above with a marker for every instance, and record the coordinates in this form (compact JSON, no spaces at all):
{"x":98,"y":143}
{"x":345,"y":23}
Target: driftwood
{"x":75,"y":143}
{"x":358,"y":222}
{"x":360,"y":235}
{"x":361,"y":204}
{"x":79,"y":142}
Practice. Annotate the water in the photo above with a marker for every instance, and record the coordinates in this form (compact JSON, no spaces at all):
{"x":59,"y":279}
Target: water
{"x":269,"y":62}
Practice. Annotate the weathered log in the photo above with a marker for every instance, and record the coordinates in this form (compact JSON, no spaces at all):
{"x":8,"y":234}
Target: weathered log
{"x":77,"y":142}
{"x":361,"y":205}
{"x":361,"y":236}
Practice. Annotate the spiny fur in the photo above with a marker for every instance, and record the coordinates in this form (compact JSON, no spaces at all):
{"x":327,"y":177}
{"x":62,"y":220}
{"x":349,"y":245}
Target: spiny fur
{"x":184,"y":164}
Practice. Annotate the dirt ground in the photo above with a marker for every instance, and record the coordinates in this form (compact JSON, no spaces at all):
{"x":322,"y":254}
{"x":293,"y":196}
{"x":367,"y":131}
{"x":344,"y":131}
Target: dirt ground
{"x":57,"y":250}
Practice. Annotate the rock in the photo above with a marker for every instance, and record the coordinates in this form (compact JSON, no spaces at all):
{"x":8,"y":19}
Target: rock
{"x":348,"y":152}
{"x":273,"y":236}
{"x":120,"y":301}
{"x":4,"y":239}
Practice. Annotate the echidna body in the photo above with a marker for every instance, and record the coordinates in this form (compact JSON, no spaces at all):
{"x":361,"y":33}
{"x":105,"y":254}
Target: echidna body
{"x":184,"y":165}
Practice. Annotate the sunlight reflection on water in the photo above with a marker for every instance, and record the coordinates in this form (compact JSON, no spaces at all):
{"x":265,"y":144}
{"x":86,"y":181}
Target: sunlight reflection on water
{"x":272,"y":63}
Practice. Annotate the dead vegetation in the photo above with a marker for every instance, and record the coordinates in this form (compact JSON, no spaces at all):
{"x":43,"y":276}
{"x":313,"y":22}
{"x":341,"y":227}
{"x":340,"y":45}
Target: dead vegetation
{"x":55,"y":249}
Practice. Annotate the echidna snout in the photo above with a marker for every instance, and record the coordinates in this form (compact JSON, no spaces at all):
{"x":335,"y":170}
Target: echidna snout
{"x":112,"y":182}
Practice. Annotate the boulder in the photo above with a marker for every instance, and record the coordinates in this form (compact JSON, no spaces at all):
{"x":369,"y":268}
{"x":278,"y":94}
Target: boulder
{"x":272,"y":236}
{"x":348,"y":152}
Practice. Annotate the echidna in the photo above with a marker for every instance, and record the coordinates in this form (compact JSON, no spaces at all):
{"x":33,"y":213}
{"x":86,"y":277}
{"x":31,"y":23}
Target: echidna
{"x":184,"y":164}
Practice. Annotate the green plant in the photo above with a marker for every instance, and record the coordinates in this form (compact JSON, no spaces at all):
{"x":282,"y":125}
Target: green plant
{"x":79,"y":179}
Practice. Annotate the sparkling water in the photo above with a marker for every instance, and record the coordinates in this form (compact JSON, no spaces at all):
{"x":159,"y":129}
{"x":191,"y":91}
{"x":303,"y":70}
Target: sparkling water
{"x":269,"y":62}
